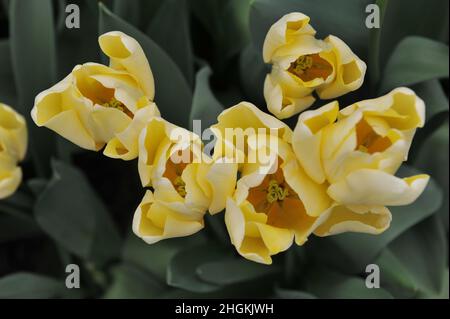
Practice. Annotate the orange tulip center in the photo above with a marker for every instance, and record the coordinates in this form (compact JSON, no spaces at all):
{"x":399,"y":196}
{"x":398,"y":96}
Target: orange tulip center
{"x":368,"y":140}
{"x":311,"y":66}
{"x":275,"y":198}
{"x":173,"y":173}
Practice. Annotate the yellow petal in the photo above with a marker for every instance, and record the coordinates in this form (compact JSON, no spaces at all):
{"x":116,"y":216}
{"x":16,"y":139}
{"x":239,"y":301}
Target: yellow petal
{"x":62,"y":110}
{"x":283,"y":31}
{"x":401,"y":108}
{"x":240,"y":121}
{"x":307,"y":139}
{"x":376,"y":188}
{"x":254,"y":240}
{"x":126,"y":53}
{"x":218,"y":181}
{"x":350,"y":71}
{"x":10,"y":175}
{"x":13,"y":133}
{"x":153,"y":222}
{"x":125,"y":144}
{"x":341,"y":219}
{"x":282,"y":105}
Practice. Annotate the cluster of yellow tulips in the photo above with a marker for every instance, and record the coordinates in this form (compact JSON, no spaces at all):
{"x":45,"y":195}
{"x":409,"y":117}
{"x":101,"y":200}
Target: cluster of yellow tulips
{"x":333,"y":173}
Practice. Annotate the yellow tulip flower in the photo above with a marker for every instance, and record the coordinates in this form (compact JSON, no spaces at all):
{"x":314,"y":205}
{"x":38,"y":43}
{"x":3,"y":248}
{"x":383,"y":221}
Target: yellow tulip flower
{"x":185,"y":182}
{"x":97,"y":105}
{"x":273,"y":204}
{"x":355,"y":152}
{"x":13,"y":146}
{"x":302,"y":64}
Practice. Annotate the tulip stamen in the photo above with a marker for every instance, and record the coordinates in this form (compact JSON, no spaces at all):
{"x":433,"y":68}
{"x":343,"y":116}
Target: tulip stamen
{"x":116,"y":104}
{"x":311,"y":66}
{"x":302,"y":64}
{"x":180,"y":186}
{"x":275,"y":192}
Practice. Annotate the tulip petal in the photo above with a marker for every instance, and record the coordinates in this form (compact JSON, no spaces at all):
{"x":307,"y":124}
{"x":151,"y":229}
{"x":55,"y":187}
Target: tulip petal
{"x":126,"y":53}
{"x":125,"y":145}
{"x":350,"y":71}
{"x":376,"y":188}
{"x":10,"y":175}
{"x":13,"y":132}
{"x":280,"y":103}
{"x":153,"y":222}
{"x":307,"y":139}
{"x":59,"y":108}
{"x":341,"y":219}
{"x":401,"y":108}
{"x":284,"y":30}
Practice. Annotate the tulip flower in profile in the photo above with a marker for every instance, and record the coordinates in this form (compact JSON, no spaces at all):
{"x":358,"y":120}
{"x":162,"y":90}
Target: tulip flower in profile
{"x":98,"y":105}
{"x":13,"y":146}
{"x":302,"y":64}
{"x":356,"y":152}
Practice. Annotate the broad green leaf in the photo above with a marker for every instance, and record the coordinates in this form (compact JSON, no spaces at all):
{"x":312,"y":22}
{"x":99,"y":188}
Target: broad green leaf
{"x":131,"y":282}
{"x":182,"y":271}
{"x":404,"y":18}
{"x":8,"y":93}
{"x":24,"y":285}
{"x":415,"y":264}
{"x":436,"y":102}
{"x":433,"y":159}
{"x":252,"y":72}
{"x":284,"y":293}
{"x":326,"y":283}
{"x":228,"y":23}
{"x":71,"y":213}
{"x":227,"y":272}
{"x":174,"y":38}
{"x":37,"y":185}
{"x":155,"y":258}
{"x":173,"y":95}
{"x":345,"y":19}
{"x":33,"y":52}
{"x":415,"y":60}
{"x":205,"y":106}
{"x":127,"y":10}
{"x":351,"y":252}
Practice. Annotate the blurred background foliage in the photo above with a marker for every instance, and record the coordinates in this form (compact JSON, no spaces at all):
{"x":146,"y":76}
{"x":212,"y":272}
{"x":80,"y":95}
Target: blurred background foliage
{"x":76,"y":206}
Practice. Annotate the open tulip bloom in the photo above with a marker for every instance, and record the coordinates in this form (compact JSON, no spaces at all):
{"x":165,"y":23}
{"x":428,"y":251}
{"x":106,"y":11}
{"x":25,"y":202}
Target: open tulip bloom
{"x":333,"y":173}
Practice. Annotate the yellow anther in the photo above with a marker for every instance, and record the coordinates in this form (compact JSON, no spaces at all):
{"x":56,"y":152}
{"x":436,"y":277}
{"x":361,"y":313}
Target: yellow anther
{"x":275,"y":192}
{"x":301,"y":64}
{"x":180,"y":186}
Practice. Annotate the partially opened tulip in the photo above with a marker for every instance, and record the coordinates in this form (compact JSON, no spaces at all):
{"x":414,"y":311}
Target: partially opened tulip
{"x":13,"y":146}
{"x":302,"y":64}
{"x":273,"y":204}
{"x":356,"y":152}
{"x":185,"y":182}
{"x":97,"y":105}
